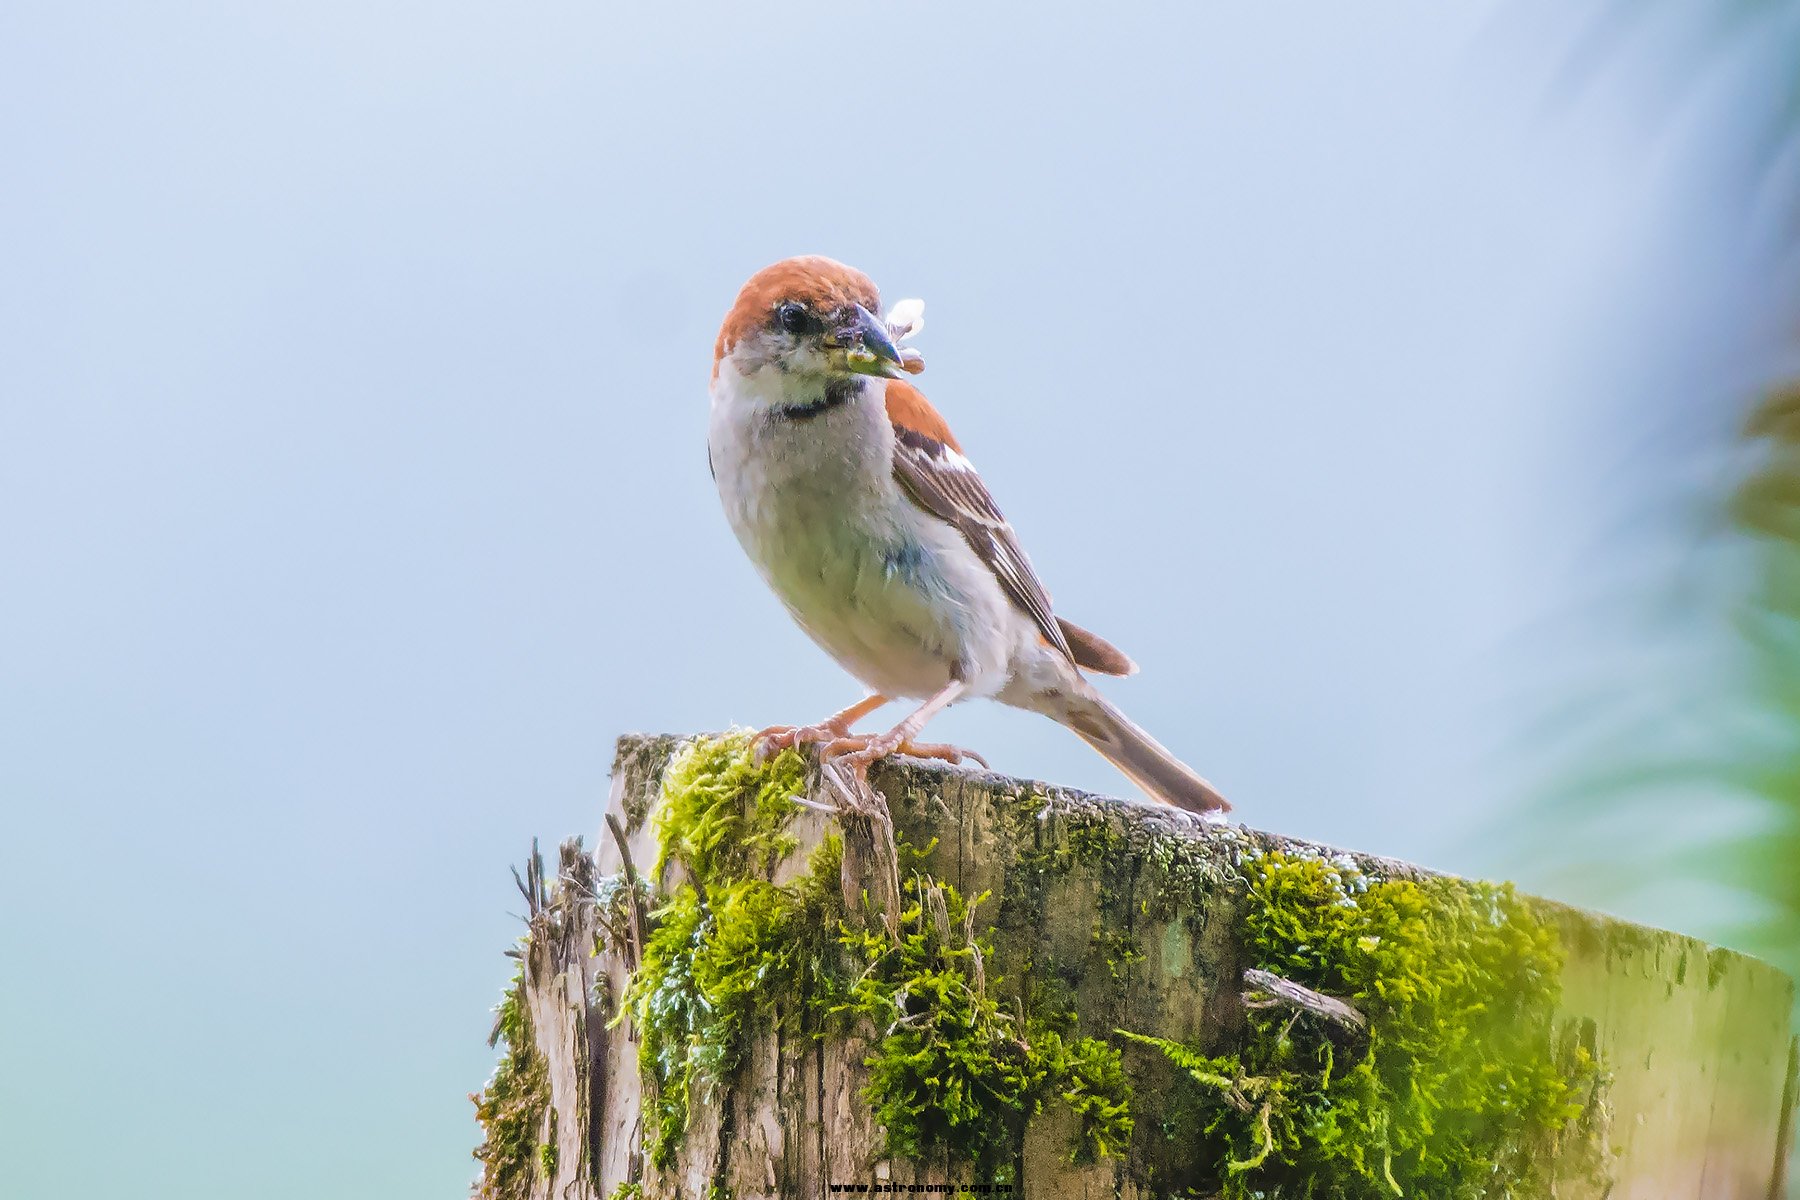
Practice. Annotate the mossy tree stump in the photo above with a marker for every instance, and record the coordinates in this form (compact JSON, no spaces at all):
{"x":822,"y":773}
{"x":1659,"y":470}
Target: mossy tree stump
{"x":741,"y":994}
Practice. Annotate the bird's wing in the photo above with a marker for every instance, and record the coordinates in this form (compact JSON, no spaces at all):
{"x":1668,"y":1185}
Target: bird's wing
{"x":930,"y":468}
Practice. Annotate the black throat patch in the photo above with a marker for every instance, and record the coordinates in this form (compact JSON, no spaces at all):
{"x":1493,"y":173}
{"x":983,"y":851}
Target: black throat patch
{"x":837,"y":394}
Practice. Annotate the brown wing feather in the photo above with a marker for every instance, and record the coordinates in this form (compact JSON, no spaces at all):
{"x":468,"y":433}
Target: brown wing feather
{"x":1094,"y":653}
{"x":942,"y":482}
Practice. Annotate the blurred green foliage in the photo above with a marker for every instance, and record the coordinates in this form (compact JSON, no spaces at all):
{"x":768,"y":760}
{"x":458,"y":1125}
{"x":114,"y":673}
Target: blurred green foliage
{"x":1726,"y":731}
{"x":1766,"y":861}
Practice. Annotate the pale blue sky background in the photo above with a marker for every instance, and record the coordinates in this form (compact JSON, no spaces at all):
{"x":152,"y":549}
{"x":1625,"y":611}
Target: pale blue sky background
{"x":353,"y":493}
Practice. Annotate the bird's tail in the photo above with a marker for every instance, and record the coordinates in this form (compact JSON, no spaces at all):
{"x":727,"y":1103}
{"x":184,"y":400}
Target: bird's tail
{"x":1141,"y":757}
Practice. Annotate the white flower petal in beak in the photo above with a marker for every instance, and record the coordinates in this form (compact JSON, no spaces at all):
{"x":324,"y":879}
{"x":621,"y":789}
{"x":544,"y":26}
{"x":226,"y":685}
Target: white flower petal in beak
{"x":905,"y":319}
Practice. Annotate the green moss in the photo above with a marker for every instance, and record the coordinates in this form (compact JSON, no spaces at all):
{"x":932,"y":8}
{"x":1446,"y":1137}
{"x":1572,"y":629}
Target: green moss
{"x":669,"y":1017}
{"x":728,"y":943}
{"x":628,"y":1191}
{"x":511,"y":1107}
{"x":723,"y":814}
{"x":1089,"y":1076}
{"x":1448,"y":1094}
{"x":951,"y":1070}
{"x":711,"y":968}
{"x":965,"y":1056}
{"x":954,"y":1073}
{"x":1456,"y":1082}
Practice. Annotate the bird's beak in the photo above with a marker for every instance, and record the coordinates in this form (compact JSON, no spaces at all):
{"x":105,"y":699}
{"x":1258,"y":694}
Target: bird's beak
{"x":868,"y":347}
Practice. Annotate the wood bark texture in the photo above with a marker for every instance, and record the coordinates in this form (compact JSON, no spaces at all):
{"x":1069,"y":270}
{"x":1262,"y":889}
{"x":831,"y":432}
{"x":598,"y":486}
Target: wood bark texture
{"x":1695,"y":1041}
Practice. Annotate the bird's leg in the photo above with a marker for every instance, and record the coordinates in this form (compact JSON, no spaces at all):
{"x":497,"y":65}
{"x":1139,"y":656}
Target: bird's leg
{"x":777,"y":738}
{"x":861,"y":751}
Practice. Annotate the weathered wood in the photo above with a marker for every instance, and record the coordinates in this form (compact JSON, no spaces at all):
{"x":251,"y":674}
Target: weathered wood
{"x":634,"y":940}
{"x":547,"y":1117}
{"x":1695,"y":1103}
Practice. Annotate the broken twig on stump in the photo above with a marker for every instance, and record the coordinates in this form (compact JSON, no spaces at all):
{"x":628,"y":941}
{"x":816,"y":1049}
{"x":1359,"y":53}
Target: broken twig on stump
{"x":1269,"y":990}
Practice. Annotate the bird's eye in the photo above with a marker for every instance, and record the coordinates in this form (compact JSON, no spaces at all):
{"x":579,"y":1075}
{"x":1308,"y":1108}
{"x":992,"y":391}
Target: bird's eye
{"x":793,"y":317}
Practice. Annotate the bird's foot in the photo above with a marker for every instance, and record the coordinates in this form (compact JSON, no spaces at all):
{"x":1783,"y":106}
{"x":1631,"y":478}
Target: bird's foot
{"x":859,"y":752}
{"x":776,"y":738}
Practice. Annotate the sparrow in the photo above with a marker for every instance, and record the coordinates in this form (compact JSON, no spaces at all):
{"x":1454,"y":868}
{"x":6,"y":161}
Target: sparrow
{"x":860,"y":510}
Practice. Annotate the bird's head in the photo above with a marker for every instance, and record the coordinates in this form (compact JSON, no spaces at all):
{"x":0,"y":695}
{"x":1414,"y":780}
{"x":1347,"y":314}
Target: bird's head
{"x":810,"y":319}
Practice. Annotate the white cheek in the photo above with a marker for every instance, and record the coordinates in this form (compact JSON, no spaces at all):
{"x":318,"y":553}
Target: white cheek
{"x":749,"y":380}
{"x":772,"y":366}
{"x":753,"y":354}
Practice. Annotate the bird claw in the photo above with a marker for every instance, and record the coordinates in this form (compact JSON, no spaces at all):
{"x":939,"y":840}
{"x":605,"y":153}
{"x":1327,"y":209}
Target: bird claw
{"x":942,"y":752}
{"x":860,"y":752}
{"x":776,"y":738}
